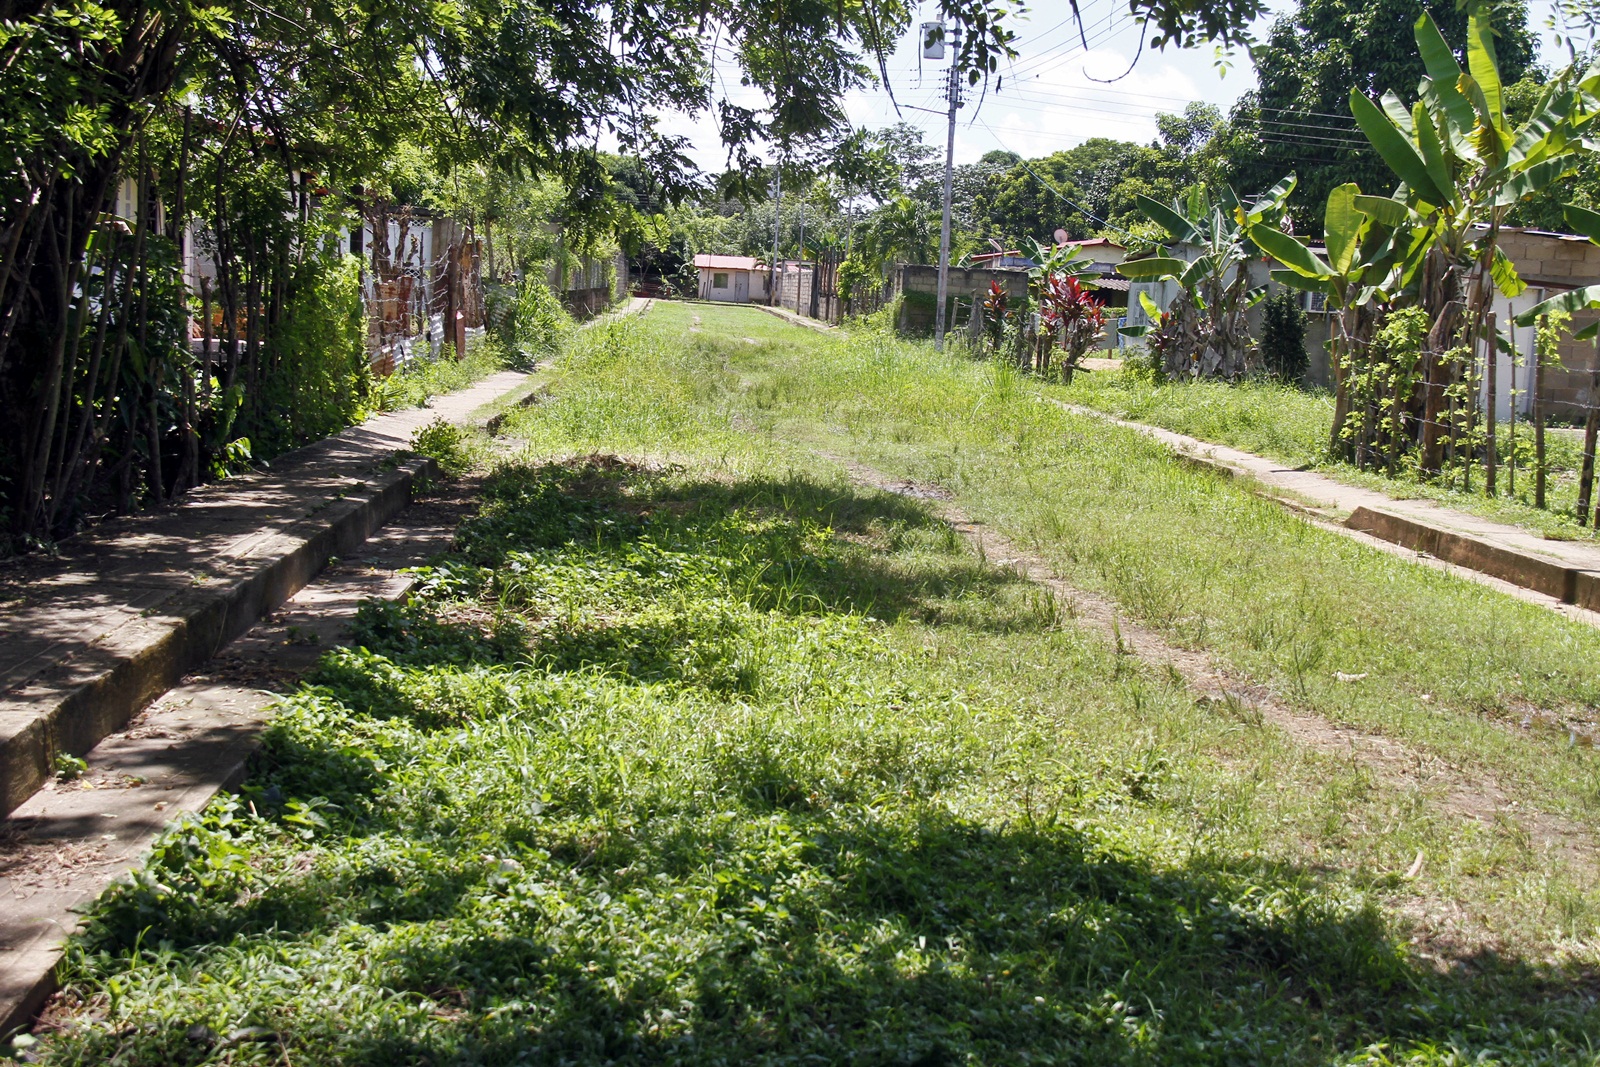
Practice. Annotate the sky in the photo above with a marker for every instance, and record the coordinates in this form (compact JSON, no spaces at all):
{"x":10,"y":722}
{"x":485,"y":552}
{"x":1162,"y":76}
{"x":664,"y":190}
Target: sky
{"x":1047,"y":98}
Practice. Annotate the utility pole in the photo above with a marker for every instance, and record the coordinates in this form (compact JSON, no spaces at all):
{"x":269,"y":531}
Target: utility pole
{"x":777,"y":217}
{"x":801,"y":274}
{"x":953,"y":93}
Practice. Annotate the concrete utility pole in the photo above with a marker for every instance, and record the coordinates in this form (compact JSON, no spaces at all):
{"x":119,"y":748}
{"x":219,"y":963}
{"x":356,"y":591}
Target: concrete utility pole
{"x":777,"y":216}
{"x":954,"y":95}
{"x":801,"y":273}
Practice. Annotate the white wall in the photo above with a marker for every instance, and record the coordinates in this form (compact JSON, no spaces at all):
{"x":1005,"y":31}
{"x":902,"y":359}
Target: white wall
{"x":1522,"y":337}
{"x":758,"y":284}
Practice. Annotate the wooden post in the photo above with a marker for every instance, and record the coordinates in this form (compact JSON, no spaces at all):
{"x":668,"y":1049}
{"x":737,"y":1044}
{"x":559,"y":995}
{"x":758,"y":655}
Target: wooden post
{"x":1538,"y":422}
{"x":1591,"y":425}
{"x":205,"y":337}
{"x":1491,"y":368}
{"x":1511,"y":471}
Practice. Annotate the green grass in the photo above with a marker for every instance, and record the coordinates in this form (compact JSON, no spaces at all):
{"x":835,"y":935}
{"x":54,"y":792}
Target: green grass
{"x":1287,"y":424}
{"x":415,"y":384}
{"x":705,"y":756}
{"x":1452,"y":668}
{"x":1291,"y":425}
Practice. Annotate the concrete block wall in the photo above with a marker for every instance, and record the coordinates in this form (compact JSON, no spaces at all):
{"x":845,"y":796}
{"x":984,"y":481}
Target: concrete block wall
{"x":794,"y":290}
{"x":1566,"y":391}
{"x":965,"y":284}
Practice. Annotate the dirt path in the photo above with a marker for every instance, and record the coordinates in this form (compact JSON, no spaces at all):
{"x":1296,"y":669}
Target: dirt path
{"x":1464,"y":794}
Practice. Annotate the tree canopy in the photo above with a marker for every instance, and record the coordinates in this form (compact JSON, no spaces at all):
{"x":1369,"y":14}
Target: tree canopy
{"x":1298,"y":120}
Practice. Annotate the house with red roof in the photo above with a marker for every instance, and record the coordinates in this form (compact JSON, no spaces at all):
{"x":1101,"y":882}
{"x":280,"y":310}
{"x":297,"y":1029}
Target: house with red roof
{"x":732,"y":279}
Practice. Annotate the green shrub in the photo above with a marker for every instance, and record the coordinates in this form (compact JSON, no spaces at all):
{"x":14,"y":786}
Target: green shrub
{"x":445,"y":444}
{"x":539,"y":324}
{"x":1283,"y":337}
{"x":320,"y":381}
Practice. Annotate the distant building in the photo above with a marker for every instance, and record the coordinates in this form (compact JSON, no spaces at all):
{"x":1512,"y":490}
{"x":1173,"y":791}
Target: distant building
{"x":1103,"y":252}
{"x":733,"y":279}
{"x":993,"y":260}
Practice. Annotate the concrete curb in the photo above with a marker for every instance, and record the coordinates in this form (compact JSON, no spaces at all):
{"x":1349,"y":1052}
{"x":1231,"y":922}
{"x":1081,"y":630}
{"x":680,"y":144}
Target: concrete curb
{"x":1482,"y":558}
{"x":1569,"y":585}
{"x":70,"y":706}
{"x":195,"y":741}
{"x":798,"y":320}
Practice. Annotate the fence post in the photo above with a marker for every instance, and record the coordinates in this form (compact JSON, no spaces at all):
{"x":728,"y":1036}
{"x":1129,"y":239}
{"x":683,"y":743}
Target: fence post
{"x":1538,"y":422}
{"x":1492,"y":369}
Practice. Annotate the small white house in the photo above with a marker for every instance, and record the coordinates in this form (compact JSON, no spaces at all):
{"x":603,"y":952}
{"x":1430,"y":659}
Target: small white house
{"x":735,"y":279}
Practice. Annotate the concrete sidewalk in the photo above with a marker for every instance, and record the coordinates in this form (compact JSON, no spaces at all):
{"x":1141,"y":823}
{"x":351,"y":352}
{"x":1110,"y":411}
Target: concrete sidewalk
{"x":63,"y":845}
{"x":90,"y":636}
{"x":1560,"y":572}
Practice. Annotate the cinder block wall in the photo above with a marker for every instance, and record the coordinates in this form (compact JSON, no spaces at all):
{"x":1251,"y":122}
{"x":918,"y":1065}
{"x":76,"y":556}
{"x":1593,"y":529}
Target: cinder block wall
{"x":794,"y":290}
{"x":965,"y":283}
{"x":1566,"y":391}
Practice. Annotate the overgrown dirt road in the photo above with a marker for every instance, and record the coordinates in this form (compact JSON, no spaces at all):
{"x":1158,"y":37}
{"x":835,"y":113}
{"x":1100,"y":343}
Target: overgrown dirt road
{"x":719,"y":740}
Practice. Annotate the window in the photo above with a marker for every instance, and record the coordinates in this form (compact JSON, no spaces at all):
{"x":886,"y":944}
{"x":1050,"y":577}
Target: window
{"x":1315,"y":303}
{"x":719,"y":280}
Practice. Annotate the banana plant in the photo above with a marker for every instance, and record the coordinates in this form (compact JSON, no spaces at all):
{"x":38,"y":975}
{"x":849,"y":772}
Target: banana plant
{"x":1462,"y":168}
{"x":1205,"y":334}
{"x":1059,"y":283}
{"x":1065,"y":261}
{"x":1374,"y":247}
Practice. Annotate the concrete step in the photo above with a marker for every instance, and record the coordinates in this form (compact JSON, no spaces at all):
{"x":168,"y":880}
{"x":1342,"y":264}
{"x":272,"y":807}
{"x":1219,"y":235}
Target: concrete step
{"x":1564,"y":575}
{"x":1541,"y":572}
{"x":89,"y":637}
{"x":67,"y":842}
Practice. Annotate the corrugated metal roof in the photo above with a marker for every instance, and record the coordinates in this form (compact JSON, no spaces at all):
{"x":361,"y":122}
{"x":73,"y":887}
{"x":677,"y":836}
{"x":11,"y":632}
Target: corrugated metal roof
{"x":727,"y":262}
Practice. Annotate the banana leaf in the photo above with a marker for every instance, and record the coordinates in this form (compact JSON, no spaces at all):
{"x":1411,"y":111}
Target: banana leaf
{"x":1571,"y":301}
{"x":1151,"y":267}
{"x":1396,"y":151}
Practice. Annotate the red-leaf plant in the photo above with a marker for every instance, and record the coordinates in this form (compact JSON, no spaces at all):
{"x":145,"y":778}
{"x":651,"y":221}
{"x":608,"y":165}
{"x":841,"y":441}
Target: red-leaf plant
{"x":995,"y":314}
{"x":1070,"y":316}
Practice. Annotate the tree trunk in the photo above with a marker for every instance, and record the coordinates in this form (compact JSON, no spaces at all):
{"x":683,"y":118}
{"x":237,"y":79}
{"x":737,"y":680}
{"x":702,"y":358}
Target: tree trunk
{"x":1590,"y":426}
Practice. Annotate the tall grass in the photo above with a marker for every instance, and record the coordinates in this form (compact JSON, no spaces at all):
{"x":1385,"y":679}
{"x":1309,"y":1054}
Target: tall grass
{"x":1292,"y":426}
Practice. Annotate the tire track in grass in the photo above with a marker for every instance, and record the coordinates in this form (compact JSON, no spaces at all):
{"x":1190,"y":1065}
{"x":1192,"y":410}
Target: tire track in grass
{"x":1463,"y":794}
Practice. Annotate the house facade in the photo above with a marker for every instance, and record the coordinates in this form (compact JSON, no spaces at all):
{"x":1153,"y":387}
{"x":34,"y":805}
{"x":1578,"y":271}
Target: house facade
{"x":732,"y":279}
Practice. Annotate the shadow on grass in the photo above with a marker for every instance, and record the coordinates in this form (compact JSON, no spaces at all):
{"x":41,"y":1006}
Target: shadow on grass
{"x":770,"y":925}
{"x":766,"y":527}
{"x":902,"y":937}
{"x":767,"y":911}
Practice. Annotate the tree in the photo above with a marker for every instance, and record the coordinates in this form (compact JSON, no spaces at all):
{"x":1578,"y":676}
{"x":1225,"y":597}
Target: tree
{"x":1283,"y":337}
{"x":1463,"y":168}
{"x":1544,"y":209}
{"x":1298,"y":120}
{"x":1372,"y":252}
{"x":902,"y":231}
{"x":915,"y":163}
{"x":134,"y":88}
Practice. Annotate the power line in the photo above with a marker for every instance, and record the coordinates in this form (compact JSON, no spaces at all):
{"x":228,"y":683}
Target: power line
{"x":1116,"y":96}
{"x":1032,"y":66}
{"x":1076,"y":206}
